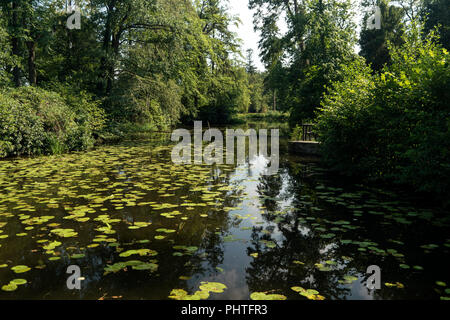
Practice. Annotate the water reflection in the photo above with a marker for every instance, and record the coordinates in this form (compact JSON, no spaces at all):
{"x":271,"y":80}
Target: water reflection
{"x":234,"y":225}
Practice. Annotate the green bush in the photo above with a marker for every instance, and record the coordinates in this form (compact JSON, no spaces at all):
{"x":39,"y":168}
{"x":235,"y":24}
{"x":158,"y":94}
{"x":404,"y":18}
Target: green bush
{"x":345,"y":121}
{"x":394,"y":126}
{"x":21,"y":129}
{"x":36,"y":121}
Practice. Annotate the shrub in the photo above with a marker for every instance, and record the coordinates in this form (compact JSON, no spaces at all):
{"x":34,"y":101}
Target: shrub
{"x":345,"y":123}
{"x":21,"y":129}
{"x":36,"y":121}
{"x":394,"y":126}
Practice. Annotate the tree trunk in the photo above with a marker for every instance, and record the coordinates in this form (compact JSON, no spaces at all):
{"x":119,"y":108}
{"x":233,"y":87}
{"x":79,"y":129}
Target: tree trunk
{"x":15,"y":45}
{"x":32,"y":73}
{"x":275,"y":100}
{"x":104,"y":59}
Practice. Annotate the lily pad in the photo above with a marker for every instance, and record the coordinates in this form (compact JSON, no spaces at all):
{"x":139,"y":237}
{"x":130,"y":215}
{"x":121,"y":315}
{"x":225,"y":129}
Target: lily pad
{"x":20,"y":269}
{"x":9,"y":287}
{"x":265,"y":296}
{"x":18,"y":282}
{"x":216,"y":287}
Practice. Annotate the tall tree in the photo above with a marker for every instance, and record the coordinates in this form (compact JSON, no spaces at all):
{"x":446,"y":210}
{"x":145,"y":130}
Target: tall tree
{"x":436,"y":14}
{"x":306,"y":58}
{"x":374,"y":42}
{"x":251,"y":68}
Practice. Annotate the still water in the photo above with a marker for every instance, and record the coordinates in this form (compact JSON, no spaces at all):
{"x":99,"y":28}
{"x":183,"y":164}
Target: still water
{"x":140,"y":227}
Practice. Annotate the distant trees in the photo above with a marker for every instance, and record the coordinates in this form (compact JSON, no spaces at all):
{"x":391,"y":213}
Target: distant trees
{"x":258,"y":94}
{"x":151,"y":63}
{"x":303,"y":61}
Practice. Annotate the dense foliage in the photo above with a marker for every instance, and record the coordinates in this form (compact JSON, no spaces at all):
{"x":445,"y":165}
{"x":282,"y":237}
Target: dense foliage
{"x":35,"y":121}
{"x":302,"y":61}
{"x":393,"y":126}
{"x":382,"y":114}
{"x":145,"y":63}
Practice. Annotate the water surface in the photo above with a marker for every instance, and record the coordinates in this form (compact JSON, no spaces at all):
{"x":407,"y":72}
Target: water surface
{"x":139,"y":227}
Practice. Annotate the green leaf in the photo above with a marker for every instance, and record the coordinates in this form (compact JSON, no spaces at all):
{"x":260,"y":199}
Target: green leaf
{"x":264,"y":296}
{"x":20,"y":269}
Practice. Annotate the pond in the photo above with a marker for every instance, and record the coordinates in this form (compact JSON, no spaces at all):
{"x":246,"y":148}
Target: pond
{"x":140,"y":227}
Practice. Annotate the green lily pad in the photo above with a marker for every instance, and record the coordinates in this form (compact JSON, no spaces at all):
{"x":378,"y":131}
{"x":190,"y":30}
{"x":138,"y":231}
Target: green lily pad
{"x":18,"y":282}
{"x":9,"y":287}
{"x":146,"y":266}
{"x":216,"y":287}
{"x":20,"y":269}
{"x":265,"y":296}
{"x":141,"y":252}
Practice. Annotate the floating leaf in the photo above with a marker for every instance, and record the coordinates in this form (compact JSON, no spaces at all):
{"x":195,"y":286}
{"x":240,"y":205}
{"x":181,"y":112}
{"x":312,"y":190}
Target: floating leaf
{"x":141,"y":252}
{"x":20,"y":269}
{"x":52,"y":245}
{"x":64,"y":233}
{"x":178,"y":294}
{"x":18,"y":282}
{"x":216,"y":287}
{"x":9,"y":287}
{"x":146,"y":266}
{"x":397,"y":284}
{"x":264,"y":296}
